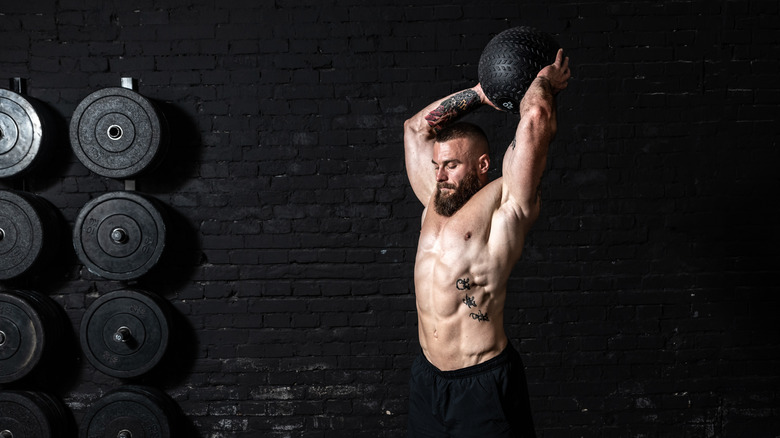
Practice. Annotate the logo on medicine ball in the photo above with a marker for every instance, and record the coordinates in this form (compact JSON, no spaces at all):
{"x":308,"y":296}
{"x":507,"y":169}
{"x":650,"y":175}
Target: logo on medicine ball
{"x":507,"y":104}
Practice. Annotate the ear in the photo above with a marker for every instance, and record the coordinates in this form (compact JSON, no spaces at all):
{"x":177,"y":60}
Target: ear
{"x":483,"y":164}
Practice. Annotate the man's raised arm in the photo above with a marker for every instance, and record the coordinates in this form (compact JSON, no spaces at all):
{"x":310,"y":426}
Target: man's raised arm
{"x":420,"y":134}
{"x":526,"y":157}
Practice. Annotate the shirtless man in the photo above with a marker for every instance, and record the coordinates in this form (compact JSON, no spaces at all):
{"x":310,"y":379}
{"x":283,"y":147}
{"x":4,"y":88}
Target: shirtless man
{"x":469,"y":381}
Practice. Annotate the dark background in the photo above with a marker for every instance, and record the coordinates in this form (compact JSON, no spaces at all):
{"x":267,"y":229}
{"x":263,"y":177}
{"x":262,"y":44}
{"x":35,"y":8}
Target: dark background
{"x":646,"y":300}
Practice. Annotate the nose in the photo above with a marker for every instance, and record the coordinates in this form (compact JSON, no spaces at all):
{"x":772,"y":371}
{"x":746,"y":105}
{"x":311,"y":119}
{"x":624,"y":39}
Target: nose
{"x":441,"y":175}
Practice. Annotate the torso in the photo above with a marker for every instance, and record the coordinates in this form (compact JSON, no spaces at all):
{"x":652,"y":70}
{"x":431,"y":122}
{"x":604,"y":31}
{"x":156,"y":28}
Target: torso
{"x":461,"y":271}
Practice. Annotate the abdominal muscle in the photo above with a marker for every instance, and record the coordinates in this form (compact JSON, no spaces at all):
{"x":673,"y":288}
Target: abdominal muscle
{"x":460,"y":324}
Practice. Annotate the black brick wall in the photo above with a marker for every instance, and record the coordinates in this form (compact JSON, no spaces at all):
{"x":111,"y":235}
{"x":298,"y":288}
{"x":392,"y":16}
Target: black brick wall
{"x":646,"y":301}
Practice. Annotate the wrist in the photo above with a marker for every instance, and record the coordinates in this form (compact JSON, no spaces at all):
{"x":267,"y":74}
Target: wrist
{"x":481,"y":93}
{"x":546,"y":83}
{"x":483,"y":99}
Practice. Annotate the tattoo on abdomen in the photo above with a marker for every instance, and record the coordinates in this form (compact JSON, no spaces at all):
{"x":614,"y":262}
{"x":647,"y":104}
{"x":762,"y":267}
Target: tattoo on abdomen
{"x":452,"y":108}
{"x":470,"y":301}
{"x":479,"y":316}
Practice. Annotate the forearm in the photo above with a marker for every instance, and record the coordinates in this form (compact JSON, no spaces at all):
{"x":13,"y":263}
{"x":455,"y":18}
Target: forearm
{"x":539,"y":97}
{"x":526,"y":157}
{"x":452,"y":108}
{"x":434,"y":117}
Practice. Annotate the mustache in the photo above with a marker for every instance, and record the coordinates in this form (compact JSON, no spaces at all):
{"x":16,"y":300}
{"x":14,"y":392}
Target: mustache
{"x":444,"y":185}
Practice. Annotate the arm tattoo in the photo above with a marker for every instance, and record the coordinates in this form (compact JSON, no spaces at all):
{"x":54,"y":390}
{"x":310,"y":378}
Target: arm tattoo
{"x":514,"y":143}
{"x":452,"y":108}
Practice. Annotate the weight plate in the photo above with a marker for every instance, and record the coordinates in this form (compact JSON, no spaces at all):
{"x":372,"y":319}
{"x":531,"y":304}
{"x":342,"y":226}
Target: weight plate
{"x":21,"y":234}
{"x":120,"y":235}
{"x":23,"y":337}
{"x":125,"y":333}
{"x":132,"y":410}
{"x":28,"y":415}
{"x":21,"y":134}
{"x":118,"y":133}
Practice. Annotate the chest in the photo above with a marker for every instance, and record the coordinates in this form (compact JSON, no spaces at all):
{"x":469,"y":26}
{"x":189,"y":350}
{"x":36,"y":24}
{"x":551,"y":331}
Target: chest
{"x":449,"y":239}
{"x":450,"y":248}
{"x":465,"y":231}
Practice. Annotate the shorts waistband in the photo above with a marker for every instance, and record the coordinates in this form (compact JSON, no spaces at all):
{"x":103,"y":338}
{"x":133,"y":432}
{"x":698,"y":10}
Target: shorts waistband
{"x":489,"y":365}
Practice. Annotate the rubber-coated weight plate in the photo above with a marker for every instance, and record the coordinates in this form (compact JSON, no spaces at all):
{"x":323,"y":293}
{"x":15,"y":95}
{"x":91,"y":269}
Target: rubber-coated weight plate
{"x":120,"y":235}
{"x":21,"y":134}
{"x":125,"y":333}
{"x":117,"y":133}
{"x":133,"y":410}
{"x":24,"y":415}
{"x":32,"y":414}
{"x":22,"y":334}
{"x":21,"y":234}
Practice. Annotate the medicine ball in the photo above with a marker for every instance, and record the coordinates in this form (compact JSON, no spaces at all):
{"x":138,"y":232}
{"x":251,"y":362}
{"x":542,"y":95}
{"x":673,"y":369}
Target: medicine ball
{"x":511,"y":61}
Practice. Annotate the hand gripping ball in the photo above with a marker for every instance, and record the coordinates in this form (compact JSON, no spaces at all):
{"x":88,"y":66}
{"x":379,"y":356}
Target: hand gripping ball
{"x":511,"y":61}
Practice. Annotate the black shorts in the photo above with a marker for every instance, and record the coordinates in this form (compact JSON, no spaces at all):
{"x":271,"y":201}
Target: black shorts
{"x":486,"y":400}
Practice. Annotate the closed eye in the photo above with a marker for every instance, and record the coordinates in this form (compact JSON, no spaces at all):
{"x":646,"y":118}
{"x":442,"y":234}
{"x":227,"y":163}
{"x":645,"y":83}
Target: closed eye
{"x":450,"y":164}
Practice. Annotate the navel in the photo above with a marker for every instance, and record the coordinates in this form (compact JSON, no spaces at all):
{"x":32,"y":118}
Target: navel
{"x":467,"y":236}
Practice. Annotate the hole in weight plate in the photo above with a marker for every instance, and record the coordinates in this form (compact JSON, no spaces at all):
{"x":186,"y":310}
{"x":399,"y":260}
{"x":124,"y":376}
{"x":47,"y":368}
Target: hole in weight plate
{"x":119,"y":235}
{"x":123,"y":334}
{"x":114,"y":132}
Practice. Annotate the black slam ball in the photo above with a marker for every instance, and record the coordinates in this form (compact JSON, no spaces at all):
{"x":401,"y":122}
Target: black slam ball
{"x":511,"y":61}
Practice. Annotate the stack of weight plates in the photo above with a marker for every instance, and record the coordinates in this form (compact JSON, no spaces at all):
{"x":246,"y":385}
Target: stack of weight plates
{"x":33,"y":414}
{"x":132,"y":411}
{"x":31,"y":325}
{"x":29,"y":233}
{"x":24,"y":136}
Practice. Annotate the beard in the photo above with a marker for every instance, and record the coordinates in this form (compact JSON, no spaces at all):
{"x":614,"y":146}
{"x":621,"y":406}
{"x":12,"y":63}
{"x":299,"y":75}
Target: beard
{"x":449,"y":204}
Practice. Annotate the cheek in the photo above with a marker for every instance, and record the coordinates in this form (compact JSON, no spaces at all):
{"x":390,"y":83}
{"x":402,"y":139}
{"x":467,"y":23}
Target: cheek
{"x":457,"y":176}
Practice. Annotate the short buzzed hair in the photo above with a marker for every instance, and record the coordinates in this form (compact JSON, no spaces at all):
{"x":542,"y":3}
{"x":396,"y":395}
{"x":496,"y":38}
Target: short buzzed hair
{"x":465,"y":130}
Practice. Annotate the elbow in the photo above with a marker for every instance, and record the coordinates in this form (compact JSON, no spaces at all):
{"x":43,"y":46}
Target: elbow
{"x":541,"y":119}
{"x":539,"y":113}
{"x":409,"y":126}
{"x":416,"y":127}
{"x":412,"y":125}
{"x":410,"y":131}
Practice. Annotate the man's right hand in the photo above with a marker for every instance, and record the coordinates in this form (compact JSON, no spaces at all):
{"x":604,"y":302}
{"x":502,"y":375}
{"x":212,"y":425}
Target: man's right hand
{"x":482,"y":97}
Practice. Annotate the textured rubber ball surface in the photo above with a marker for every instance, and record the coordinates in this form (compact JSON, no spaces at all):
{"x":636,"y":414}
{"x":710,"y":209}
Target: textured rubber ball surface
{"x":511,"y":61}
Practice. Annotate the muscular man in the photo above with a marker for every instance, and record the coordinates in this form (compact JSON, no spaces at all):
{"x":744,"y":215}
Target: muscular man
{"x":469,"y":381}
